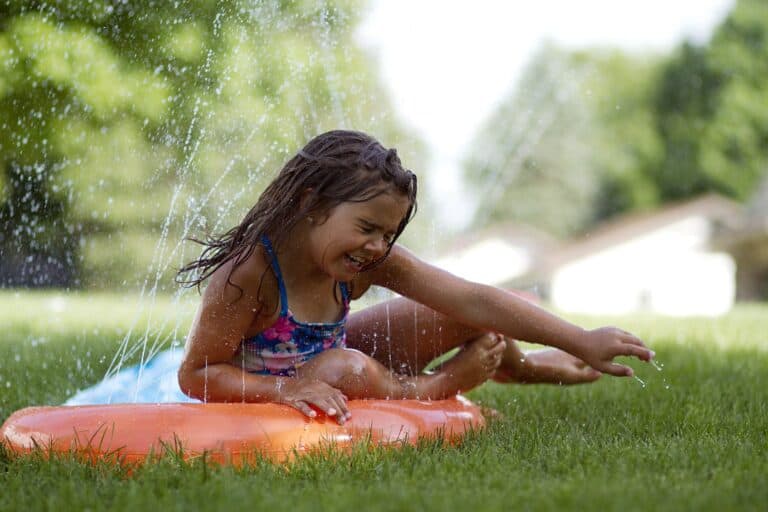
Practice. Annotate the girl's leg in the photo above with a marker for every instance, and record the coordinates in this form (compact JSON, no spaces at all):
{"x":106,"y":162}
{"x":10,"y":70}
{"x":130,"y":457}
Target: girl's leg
{"x":360,"y":376}
{"x":405,"y":336}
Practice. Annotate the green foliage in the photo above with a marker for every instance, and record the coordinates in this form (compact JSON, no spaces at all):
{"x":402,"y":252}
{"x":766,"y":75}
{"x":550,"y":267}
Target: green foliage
{"x":712,"y":110}
{"x":516,"y":160}
{"x":151,"y":120}
{"x":590,"y":134}
{"x":627,"y":143}
{"x":564,"y":149}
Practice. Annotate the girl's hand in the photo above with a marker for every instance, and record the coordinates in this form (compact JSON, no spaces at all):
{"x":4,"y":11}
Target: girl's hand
{"x":303,"y":394}
{"x":600,"y":346}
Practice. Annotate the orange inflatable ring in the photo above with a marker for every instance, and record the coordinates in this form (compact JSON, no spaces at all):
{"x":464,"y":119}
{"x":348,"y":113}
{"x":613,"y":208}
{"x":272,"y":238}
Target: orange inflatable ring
{"x":229,"y":433}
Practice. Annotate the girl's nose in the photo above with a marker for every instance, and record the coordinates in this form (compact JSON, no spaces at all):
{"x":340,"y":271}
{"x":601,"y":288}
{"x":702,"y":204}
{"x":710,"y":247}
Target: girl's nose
{"x":377,"y":246}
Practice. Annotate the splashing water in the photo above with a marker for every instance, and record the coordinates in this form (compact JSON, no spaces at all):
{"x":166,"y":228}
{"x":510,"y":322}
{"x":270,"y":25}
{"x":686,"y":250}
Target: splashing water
{"x":242,"y":380}
{"x":659,"y":367}
{"x":389,"y":337}
{"x":296,"y":106}
{"x":205,"y":385}
{"x":279,"y":386}
{"x":414,"y":367}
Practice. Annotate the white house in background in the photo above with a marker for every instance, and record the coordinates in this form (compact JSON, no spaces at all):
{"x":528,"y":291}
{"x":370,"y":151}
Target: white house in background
{"x":497,"y":255}
{"x":664,"y":262}
{"x":661,"y":262}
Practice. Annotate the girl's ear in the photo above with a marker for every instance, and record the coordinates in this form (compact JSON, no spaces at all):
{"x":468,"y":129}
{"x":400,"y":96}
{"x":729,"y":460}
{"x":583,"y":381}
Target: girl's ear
{"x":305,"y":198}
{"x":313,"y":216}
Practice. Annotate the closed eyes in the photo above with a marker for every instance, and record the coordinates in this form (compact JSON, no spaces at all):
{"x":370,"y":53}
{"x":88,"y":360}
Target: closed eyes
{"x":368,"y":229}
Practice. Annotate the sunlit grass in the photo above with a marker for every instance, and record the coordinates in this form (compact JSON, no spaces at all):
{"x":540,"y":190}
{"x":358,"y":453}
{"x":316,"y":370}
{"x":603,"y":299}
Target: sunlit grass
{"x":692,"y":438}
{"x":54,"y":312}
{"x":746,"y":326}
{"x":54,"y":343}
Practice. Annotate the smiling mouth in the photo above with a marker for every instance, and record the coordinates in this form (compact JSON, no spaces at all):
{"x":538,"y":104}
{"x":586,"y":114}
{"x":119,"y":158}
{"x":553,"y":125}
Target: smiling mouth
{"x":358,"y":263}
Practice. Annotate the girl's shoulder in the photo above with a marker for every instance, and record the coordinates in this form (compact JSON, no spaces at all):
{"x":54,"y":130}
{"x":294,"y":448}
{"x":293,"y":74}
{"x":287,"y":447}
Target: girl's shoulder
{"x":250,"y":280}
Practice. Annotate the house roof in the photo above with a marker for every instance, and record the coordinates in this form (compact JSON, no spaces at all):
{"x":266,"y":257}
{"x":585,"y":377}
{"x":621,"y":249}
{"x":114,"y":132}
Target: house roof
{"x":513,"y":233}
{"x":724,"y":212}
{"x":499,"y":253}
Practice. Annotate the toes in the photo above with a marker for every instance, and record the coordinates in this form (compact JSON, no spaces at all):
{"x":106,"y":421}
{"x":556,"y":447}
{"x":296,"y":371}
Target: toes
{"x":487,"y":341}
{"x":490,"y":341}
{"x":492,"y":364}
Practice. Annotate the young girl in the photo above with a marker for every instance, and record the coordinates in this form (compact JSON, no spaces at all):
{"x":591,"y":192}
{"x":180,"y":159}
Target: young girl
{"x":274,"y":322}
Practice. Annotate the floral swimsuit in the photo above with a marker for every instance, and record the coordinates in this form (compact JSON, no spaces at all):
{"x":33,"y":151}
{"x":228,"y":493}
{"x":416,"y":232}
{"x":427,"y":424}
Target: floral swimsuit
{"x":288,"y":343}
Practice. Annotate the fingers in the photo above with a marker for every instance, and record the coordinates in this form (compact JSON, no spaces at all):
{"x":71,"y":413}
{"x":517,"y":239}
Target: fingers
{"x":642,"y":353}
{"x":305,"y":409}
{"x":330,"y":407}
{"x":617,"y":370}
{"x":625,"y":349}
{"x":628,"y":347}
{"x":334,"y":406}
{"x":338,"y":408}
{"x":628,"y":344}
{"x":631,"y":339}
{"x":590,"y":374}
{"x":320,"y":396}
{"x":607,"y":343}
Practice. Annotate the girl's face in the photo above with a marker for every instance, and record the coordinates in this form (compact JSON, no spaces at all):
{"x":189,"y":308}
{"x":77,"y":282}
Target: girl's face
{"x":353,"y":235}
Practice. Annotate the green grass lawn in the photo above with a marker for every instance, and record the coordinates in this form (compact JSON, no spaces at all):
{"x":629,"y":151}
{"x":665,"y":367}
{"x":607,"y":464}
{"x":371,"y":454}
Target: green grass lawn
{"x":693,"y":438}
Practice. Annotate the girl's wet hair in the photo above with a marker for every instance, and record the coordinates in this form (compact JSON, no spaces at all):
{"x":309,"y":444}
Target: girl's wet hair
{"x":335,"y":167}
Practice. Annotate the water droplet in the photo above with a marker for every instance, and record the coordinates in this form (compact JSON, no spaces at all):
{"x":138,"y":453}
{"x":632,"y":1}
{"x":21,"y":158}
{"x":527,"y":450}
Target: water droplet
{"x":638,"y":379}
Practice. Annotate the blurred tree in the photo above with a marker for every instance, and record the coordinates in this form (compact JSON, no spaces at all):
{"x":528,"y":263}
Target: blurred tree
{"x":123,"y":125}
{"x":590,"y":134}
{"x":566,"y":147}
{"x":712,"y":110}
{"x":628,"y":143}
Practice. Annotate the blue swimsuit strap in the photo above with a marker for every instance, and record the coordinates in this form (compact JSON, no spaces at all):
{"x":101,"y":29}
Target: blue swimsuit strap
{"x":281,"y":284}
{"x":344,"y":296}
{"x":278,"y":274}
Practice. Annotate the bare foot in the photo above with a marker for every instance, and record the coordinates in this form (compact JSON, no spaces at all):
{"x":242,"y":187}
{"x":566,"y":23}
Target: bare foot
{"x":550,"y":366}
{"x":477,"y":362}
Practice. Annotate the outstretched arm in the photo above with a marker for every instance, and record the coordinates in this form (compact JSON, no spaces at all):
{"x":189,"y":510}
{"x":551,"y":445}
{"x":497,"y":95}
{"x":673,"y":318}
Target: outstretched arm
{"x":497,"y":310}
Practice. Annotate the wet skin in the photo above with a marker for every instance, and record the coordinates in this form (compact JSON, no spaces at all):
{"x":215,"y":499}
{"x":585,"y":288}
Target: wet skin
{"x":336,"y":246}
{"x":322,"y":251}
{"x":423,"y":334}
